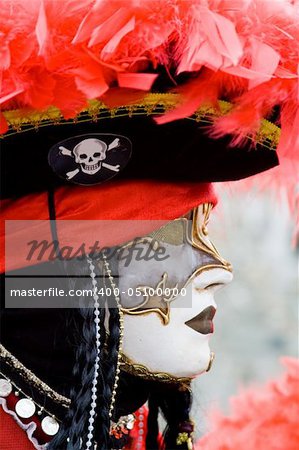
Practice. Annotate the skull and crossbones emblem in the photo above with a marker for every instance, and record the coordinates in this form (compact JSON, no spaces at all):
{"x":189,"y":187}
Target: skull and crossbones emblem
{"x":90,"y":154}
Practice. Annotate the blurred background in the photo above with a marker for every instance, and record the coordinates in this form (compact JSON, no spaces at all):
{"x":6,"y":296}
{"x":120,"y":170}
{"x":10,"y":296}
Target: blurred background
{"x":257,"y":317}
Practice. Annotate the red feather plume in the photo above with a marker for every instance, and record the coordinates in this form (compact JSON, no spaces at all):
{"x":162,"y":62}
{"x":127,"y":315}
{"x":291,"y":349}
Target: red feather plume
{"x":261,"y":417}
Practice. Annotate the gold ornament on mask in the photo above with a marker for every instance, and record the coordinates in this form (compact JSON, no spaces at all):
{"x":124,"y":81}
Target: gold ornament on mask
{"x":192,"y":229}
{"x":156,"y":299}
{"x":162,"y":377}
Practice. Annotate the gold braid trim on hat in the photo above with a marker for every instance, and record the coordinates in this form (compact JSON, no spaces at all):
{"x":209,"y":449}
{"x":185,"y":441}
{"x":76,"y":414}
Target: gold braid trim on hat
{"x":21,"y":120}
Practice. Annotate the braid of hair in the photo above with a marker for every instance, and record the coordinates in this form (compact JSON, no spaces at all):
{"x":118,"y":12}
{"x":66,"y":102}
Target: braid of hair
{"x":102,"y":428}
{"x":74,"y":427}
{"x":86,"y":365}
{"x":175,"y":407}
{"x":103,"y":404}
{"x":110,"y":360}
{"x":109,"y":373}
{"x":112,"y":348}
{"x":152,"y":423}
{"x":74,"y":430}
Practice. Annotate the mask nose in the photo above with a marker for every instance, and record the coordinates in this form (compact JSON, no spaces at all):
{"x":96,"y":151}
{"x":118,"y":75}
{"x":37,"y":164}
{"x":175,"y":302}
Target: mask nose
{"x":215,"y":278}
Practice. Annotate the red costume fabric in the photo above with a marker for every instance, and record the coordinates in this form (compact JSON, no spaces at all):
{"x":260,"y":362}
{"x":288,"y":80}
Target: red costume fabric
{"x":149,"y":203}
{"x":12,"y":437}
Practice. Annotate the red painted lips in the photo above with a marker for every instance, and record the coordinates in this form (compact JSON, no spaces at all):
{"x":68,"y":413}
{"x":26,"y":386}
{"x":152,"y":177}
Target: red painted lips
{"x":203,"y":322}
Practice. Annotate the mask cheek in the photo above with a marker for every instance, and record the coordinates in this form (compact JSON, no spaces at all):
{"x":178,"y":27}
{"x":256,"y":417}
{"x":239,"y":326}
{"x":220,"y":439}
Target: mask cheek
{"x":174,"y":348}
{"x":190,"y":303}
{"x":191,"y":350}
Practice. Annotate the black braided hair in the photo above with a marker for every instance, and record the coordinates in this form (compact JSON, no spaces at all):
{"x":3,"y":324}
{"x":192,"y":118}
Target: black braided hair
{"x":74,"y":430}
{"x":112,"y":351}
{"x":174,"y":402}
{"x":110,"y":361}
{"x":81,"y":400}
{"x":175,"y":406}
{"x":152,"y":423}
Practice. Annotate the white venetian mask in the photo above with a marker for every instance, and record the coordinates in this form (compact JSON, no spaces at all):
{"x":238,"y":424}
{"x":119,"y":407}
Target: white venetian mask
{"x":168,"y":300}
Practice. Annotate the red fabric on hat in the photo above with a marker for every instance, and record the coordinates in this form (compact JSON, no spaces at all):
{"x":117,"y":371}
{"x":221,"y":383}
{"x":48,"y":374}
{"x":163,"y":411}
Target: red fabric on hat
{"x":135,"y":207}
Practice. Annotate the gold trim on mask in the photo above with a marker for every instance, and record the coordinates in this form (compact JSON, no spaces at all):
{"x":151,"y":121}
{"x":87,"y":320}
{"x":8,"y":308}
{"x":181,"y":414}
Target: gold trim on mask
{"x":197,"y":236}
{"x":212,"y":357}
{"x":167,"y":299}
{"x":143,"y":372}
{"x":203,"y":269}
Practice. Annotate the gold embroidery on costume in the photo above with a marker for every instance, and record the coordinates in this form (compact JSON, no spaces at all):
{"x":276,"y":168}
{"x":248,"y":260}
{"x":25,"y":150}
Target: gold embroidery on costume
{"x":32,"y":379}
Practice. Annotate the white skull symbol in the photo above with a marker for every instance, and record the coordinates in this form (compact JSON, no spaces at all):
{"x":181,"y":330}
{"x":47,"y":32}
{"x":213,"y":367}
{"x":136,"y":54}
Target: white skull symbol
{"x":89,"y":153}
